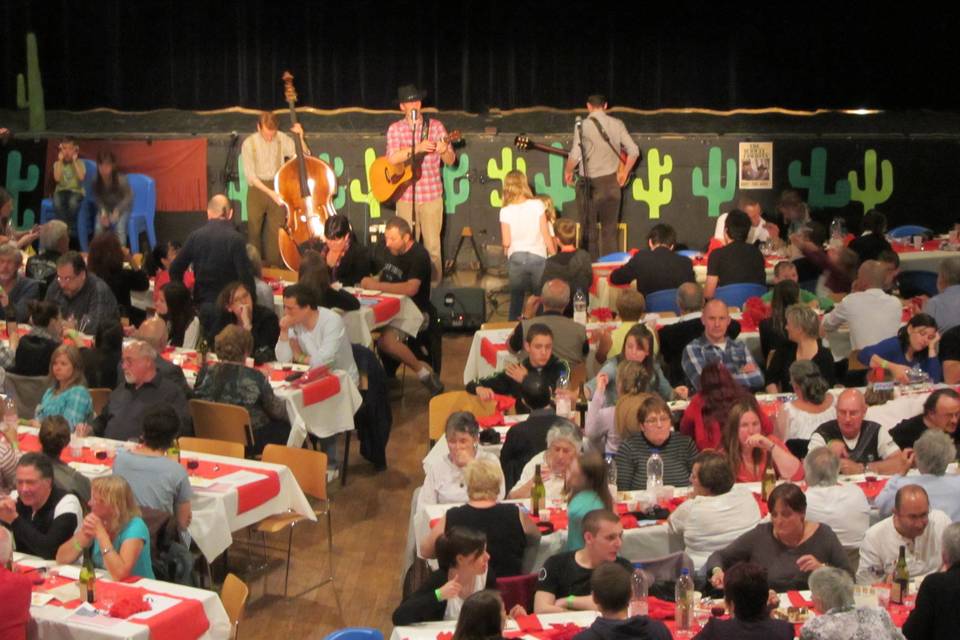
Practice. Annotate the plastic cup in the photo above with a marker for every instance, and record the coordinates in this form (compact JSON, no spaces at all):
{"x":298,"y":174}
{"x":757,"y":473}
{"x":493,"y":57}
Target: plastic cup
{"x":76,"y":447}
{"x":883,"y":596}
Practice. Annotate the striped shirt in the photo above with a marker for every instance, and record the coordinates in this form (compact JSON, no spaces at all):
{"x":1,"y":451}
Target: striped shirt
{"x":429,"y":184}
{"x":677,"y":453}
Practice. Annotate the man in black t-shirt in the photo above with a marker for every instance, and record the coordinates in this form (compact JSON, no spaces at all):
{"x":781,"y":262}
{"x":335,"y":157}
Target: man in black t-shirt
{"x":941,"y":411}
{"x":564,"y":581}
{"x":405,"y":272}
{"x":737,"y":262}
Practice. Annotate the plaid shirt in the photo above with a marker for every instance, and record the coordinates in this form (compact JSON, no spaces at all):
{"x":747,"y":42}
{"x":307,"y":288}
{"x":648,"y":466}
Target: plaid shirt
{"x":429,"y":183}
{"x":74,"y":404}
{"x":734,"y":357}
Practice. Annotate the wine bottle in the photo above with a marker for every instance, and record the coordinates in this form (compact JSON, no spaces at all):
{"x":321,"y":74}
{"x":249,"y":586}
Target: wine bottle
{"x":538,"y":493}
{"x":768,"y":483}
{"x":88,"y":576}
{"x":901,"y":578}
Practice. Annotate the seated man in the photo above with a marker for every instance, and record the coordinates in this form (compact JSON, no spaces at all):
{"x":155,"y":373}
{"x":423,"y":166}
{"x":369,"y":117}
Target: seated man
{"x":570,"y":264}
{"x":715,"y":345}
{"x":871,"y":314}
{"x":142,"y":388}
{"x":406,"y":272}
{"x":933,"y":451}
{"x":842,"y":507}
{"x":941,"y":412}
{"x":787,"y":270}
{"x":945,"y":306}
{"x":863,"y":446}
{"x":54,"y":242}
{"x":43,"y":516}
{"x":738,"y":261}
{"x":569,"y":337}
{"x":15,"y":289}
{"x":54,"y":438}
{"x":153,"y":331}
{"x":758,"y":230}
{"x":564,"y":581}
{"x":15,"y":591}
{"x":314,"y":335}
{"x":872,"y":241}
{"x":950,"y":355}
{"x":658,"y":268}
{"x":528,"y":438}
{"x":540,"y":358}
{"x":936,"y":614}
{"x":611,"y":589}
{"x":674,"y":338}
{"x":85,"y":300}
{"x":913,"y":525}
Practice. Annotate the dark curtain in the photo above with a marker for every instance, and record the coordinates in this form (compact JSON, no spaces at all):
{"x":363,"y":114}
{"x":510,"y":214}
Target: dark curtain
{"x":149,"y":54}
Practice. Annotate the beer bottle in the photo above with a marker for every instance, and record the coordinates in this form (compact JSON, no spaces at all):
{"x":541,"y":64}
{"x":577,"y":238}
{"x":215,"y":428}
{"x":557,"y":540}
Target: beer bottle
{"x":538,"y":493}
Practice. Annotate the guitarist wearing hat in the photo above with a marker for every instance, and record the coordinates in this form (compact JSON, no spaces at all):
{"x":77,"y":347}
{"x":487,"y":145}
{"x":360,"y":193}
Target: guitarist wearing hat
{"x":610,"y":155}
{"x":422,"y":141}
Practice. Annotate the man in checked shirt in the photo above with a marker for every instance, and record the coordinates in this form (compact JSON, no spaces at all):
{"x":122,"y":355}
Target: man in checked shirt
{"x":426,"y":215}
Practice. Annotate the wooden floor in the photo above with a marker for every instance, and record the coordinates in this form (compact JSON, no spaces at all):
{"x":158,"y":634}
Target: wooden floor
{"x":370,"y":519}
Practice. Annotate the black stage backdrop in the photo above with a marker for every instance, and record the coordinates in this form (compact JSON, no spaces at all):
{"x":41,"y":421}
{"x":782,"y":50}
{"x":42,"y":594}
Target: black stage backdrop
{"x":472,"y":56}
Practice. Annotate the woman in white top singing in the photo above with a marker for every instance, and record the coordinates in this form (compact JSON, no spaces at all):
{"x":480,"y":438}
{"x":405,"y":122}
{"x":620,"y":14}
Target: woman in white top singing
{"x":526,"y":239}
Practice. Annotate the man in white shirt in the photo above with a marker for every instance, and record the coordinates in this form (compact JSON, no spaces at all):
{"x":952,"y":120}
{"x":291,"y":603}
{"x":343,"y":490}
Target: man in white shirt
{"x":871,"y":314}
{"x":759,"y":229}
{"x":933,"y":451}
{"x":914,"y":526}
{"x":717,"y":514}
{"x":314,"y":335}
{"x":843,"y":507}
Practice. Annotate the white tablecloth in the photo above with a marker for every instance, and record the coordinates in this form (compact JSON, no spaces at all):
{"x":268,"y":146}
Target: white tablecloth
{"x":325,"y":418}
{"x":361,"y":322}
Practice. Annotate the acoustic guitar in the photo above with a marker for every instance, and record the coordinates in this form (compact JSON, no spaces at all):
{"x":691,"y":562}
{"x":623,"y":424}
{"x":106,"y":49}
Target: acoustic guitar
{"x":524,"y":143}
{"x":386,"y":177}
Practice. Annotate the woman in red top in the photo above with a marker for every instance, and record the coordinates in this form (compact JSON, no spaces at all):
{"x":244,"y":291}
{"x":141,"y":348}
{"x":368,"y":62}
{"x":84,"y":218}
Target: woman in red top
{"x":749,"y":451}
{"x":708,"y":408}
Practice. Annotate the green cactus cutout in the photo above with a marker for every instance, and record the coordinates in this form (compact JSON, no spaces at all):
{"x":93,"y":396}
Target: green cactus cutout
{"x":559,"y":192}
{"x":716,"y":194}
{"x":337,"y":165}
{"x":456,"y":189}
{"x":30,"y":91}
{"x":499,"y":172}
{"x":660,"y":192}
{"x":815,"y":182}
{"x":871,"y":195}
{"x":366,"y":197}
{"x":17,"y":184}
{"x":239,"y":192}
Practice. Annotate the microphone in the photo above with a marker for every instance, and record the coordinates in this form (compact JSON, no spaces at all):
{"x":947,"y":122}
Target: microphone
{"x":579,"y":122}
{"x":413,"y":115}
{"x":234,"y":135}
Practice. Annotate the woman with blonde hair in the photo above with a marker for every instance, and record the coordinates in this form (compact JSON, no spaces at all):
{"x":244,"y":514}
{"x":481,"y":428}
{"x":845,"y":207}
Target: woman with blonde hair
{"x":118,"y":535}
{"x":526,"y":239}
{"x":67,"y":395}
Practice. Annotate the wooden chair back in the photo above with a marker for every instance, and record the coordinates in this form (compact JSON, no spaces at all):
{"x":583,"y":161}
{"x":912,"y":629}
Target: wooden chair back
{"x":219,"y":421}
{"x":309,"y":467}
{"x":443,"y":405}
{"x":99,"y":396}
{"x":486,"y":326}
{"x":234,"y":596}
{"x":213,"y":447}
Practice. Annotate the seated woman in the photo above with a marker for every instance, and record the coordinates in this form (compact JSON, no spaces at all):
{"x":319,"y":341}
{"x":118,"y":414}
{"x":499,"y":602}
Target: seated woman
{"x":67,"y":396}
{"x":315,"y":273}
{"x":157,"y":481}
{"x":773,"y":330}
{"x":175,"y":306}
{"x":832,"y":594}
{"x":915,"y":345}
{"x":106,"y":260}
{"x":157,"y":264}
{"x":717,"y":513}
{"x":563,"y":446}
{"x":606,"y":426}
{"x":637,"y":347}
{"x":463,"y":559}
{"x":789,"y":546}
{"x":118,"y":535}
{"x":444,"y":480}
{"x":749,"y":451}
{"x":102,"y":361}
{"x":30,"y":355}
{"x":345,"y":256}
{"x":508,"y":529}
{"x":704,"y":417}
{"x":803,"y":331}
{"x":54,"y":437}
{"x":656,"y":435}
{"x":589,"y":490}
{"x":237,"y":308}
{"x":113,"y":197}
{"x":230,"y":381}
{"x":264,"y":293}
{"x":482,"y":617}
{"x":813,"y":406}
{"x":747,"y":596}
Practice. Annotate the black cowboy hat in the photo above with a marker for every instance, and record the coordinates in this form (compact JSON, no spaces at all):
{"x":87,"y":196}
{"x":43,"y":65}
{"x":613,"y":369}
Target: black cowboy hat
{"x":410,"y":93}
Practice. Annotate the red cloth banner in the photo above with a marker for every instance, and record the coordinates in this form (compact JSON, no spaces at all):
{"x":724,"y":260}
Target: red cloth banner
{"x":179,"y":167}
{"x":489,"y":350}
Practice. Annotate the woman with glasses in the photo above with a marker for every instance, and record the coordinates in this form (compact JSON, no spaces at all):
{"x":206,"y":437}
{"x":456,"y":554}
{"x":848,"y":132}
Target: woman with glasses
{"x":656,"y":436}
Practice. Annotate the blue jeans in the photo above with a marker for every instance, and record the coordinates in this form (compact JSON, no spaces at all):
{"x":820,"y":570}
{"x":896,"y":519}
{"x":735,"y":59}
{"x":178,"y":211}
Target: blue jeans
{"x":524,"y":271}
{"x":120,"y":227}
{"x":66,"y":204}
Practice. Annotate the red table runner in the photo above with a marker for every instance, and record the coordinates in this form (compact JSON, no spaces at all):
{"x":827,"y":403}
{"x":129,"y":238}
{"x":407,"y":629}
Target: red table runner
{"x":929,"y":245}
{"x":383,"y":308}
{"x":489,"y":350}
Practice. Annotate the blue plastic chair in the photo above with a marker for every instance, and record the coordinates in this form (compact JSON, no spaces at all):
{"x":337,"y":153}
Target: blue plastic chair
{"x":88,"y":208}
{"x":914,"y":282}
{"x":908,"y":230}
{"x":620,"y":256}
{"x":689,"y":253}
{"x":143,"y":212}
{"x":737,"y":294}
{"x":355,"y":633}
{"x":663,"y":300}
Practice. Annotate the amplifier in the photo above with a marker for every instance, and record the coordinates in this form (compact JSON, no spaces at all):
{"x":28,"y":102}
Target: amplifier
{"x":460,"y":307}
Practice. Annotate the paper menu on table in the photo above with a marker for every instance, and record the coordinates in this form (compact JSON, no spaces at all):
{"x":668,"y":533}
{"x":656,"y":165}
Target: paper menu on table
{"x":243,"y":476}
{"x":202,"y":483}
{"x":72,"y":571}
{"x":67,"y":592}
{"x":39,"y":598}
{"x":158,"y":603}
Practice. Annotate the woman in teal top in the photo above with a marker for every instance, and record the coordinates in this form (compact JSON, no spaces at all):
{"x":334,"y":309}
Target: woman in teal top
{"x":120,"y":539}
{"x":588,"y":491}
{"x":67,"y":396}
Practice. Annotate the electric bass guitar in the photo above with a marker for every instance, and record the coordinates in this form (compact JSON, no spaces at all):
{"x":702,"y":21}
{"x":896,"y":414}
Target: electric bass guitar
{"x":524,"y":143}
{"x":386,"y":177}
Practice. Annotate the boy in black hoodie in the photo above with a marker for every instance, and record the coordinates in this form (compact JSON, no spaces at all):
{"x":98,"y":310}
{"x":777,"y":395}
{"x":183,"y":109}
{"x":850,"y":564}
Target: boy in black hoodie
{"x":611,"y":590}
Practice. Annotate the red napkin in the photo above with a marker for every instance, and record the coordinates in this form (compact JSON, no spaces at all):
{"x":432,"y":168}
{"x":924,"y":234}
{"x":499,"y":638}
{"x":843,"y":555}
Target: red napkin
{"x":489,"y":350}
{"x":445,"y":635}
{"x":249,"y":495}
{"x":797,"y":600}
{"x":127,"y":606}
{"x":747,"y":324}
{"x":756,"y":309}
{"x":764,"y":510}
{"x":504,"y":403}
{"x":385,"y":309}
{"x":529,"y":622}
{"x":629,"y":521}
{"x":321,"y":389}
{"x":602,"y":314}
{"x":488,"y":422}
{"x":872,"y":489}
{"x":661,"y":609}
{"x":278,"y":375}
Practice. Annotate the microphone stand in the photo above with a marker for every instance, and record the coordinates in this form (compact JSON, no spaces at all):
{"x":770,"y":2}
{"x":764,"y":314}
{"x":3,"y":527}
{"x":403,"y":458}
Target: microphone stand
{"x":586,"y":190}
{"x":413,"y":168}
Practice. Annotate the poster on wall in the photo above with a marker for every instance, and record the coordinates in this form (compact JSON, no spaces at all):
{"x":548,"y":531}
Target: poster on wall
{"x":756,"y":165}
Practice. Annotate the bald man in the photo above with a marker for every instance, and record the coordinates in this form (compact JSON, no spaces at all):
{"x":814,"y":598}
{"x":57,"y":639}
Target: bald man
{"x":218,"y":254}
{"x":569,"y":337}
{"x":871,"y":314}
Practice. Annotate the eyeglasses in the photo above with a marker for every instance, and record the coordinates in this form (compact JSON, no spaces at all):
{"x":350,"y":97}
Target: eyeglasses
{"x":654,"y":421}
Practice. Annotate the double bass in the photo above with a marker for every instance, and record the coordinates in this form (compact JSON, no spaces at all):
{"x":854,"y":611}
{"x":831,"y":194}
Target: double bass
{"x":307,"y":186}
